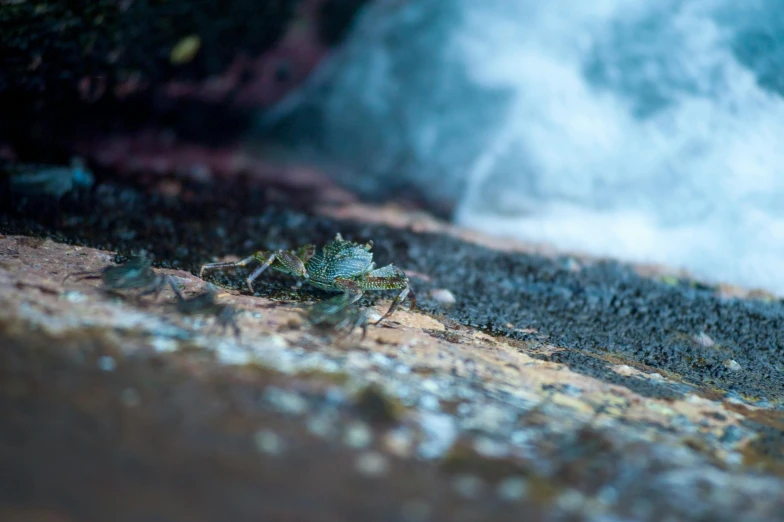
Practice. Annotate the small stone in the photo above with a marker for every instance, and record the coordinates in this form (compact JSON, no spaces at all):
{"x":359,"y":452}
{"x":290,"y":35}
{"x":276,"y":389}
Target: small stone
{"x":268,"y":442}
{"x":371,"y":463}
{"x":357,"y":435}
{"x":467,"y":486}
{"x":512,"y":489}
{"x":443,"y":296}
{"x":107,"y":363}
{"x":704,"y":340}
{"x":733,"y":365}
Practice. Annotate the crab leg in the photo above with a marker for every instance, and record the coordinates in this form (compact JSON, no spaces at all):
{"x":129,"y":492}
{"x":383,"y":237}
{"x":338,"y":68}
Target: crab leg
{"x":210,"y":266}
{"x":157,"y":285}
{"x":91,"y":274}
{"x":256,"y":273}
{"x":389,"y":278}
{"x":402,"y":295}
{"x":352,"y":292}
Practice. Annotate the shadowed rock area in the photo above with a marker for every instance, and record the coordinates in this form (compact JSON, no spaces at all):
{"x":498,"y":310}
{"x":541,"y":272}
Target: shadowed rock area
{"x":554,"y":387}
{"x":76,"y":74}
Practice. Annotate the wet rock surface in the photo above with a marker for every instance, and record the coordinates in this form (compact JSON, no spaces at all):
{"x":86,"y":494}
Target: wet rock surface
{"x":557,"y":387}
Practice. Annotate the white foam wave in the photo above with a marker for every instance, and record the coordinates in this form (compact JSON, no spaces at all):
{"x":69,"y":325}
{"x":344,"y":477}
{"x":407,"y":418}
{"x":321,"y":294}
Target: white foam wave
{"x":648,"y":130}
{"x":693,"y":180}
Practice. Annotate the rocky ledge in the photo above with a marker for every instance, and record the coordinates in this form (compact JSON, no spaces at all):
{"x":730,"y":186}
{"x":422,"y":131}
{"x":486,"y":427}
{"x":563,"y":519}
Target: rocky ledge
{"x":527,"y":384}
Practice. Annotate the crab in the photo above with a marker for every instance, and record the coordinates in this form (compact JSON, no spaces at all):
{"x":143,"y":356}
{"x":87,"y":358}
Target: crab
{"x":206,"y":304}
{"x":47,"y":180}
{"x":326,"y":316}
{"x":341,"y":266}
{"x":134,"y":274}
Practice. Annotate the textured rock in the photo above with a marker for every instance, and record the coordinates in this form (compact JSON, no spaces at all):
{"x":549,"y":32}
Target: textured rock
{"x":428,"y":418}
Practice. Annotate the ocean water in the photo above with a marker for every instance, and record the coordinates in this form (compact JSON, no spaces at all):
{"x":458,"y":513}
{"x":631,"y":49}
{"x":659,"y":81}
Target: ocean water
{"x":648,"y":131}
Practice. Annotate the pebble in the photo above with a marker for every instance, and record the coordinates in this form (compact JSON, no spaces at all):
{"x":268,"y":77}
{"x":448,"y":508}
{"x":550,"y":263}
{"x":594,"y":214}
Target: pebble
{"x":443,"y":296}
{"x":704,"y":340}
{"x":733,"y":365}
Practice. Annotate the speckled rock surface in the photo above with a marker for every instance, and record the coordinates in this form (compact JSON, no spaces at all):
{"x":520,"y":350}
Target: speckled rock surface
{"x":548,"y":387}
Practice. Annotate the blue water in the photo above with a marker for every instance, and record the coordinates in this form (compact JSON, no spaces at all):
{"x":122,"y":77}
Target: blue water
{"x":650,"y":131}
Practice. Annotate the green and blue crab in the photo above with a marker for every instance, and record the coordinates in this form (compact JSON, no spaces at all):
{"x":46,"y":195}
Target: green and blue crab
{"x":134,"y":274}
{"x":340,"y":266}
